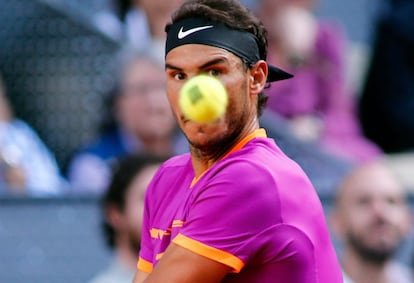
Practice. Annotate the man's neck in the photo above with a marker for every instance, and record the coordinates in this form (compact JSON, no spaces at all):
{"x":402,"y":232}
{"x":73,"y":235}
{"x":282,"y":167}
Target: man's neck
{"x":202,"y":161}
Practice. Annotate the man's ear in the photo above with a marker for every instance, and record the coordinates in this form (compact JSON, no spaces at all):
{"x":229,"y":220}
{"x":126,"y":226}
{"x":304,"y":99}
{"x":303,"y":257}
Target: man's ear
{"x":258,"y":77}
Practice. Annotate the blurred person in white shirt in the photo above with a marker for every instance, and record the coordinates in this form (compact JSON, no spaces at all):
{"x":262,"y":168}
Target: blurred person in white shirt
{"x":27,"y":166}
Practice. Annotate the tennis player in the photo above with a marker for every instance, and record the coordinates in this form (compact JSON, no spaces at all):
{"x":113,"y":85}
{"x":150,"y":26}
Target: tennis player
{"x":236,"y":208}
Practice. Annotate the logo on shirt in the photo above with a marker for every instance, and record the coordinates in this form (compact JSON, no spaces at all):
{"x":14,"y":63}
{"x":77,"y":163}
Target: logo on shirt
{"x":182,"y":34}
{"x":160,"y":234}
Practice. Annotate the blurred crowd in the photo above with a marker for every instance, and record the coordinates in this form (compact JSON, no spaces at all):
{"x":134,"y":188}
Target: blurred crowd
{"x":319,"y":106}
{"x":369,"y":127}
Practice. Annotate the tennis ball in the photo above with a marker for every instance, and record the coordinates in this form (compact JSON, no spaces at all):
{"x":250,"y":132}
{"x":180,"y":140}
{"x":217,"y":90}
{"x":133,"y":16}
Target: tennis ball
{"x":203,"y":99}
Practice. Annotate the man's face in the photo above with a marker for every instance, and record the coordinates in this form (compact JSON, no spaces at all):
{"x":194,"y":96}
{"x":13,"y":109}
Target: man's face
{"x":142,"y":107}
{"x":374,"y":217}
{"x":187,"y":61}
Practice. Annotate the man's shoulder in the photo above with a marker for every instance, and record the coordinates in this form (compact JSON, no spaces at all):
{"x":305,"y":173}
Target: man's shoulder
{"x":264,"y":155}
{"x":173,"y":168}
{"x":176,"y":161}
{"x":399,"y":272}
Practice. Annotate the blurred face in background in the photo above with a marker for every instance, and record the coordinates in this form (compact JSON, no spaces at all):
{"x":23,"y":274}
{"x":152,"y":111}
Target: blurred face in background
{"x":134,"y":206}
{"x":291,"y":25}
{"x":372,"y":215}
{"x":158,"y":13}
{"x":160,"y":7}
{"x":272,"y":6}
{"x":142,"y":107}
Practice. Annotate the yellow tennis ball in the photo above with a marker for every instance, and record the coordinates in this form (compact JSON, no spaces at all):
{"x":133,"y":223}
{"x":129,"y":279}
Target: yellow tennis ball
{"x":203,"y":99}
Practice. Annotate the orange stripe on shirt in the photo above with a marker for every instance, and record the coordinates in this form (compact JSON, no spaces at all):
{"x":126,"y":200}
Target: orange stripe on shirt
{"x":258,"y":133}
{"x":144,"y":265}
{"x":209,"y":252}
{"x":177,"y":223}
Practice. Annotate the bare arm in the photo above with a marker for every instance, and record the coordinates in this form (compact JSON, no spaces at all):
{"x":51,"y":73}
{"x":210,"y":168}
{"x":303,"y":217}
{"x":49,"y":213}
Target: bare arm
{"x":140,"y":276}
{"x":179,"y":265}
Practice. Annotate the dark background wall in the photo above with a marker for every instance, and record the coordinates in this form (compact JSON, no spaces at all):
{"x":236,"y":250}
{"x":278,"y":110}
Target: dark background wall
{"x":56,"y":68}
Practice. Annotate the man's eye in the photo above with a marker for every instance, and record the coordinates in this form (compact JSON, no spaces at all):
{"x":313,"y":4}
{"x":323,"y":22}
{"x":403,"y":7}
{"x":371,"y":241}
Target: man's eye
{"x":214,"y":72}
{"x":179,"y":76}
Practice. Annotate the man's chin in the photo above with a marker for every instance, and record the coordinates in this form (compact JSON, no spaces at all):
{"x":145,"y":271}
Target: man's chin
{"x":377,"y":251}
{"x":201,"y":133}
{"x":378,"y":256}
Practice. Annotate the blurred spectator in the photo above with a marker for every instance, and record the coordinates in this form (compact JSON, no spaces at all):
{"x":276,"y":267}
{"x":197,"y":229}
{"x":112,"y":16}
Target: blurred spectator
{"x":317,"y":102}
{"x":371,"y":218}
{"x":140,"y":23}
{"x":140,"y":120}
{"x":387,"y":99}
{"x":26,"y":165}
{"x":146,"y":20}
{"x":123,"y":205}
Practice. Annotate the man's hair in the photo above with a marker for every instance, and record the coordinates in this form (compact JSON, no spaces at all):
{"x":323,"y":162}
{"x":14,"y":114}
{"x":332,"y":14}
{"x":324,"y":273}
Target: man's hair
{"x":233,"y":14}
{"x":124,"y":170}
